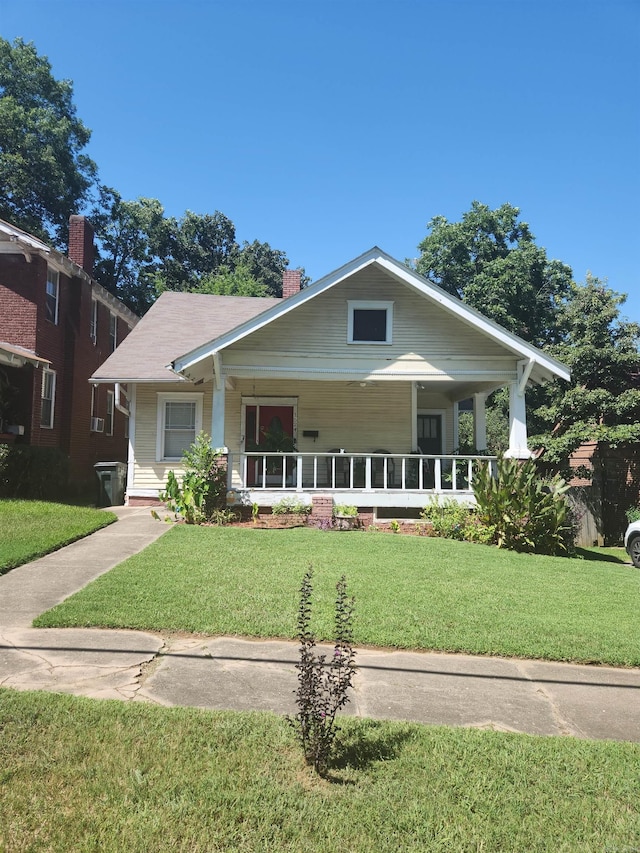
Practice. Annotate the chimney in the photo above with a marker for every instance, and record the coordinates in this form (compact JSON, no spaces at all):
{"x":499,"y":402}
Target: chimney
{"x":81,"y":249}
{"x":290,"y":283}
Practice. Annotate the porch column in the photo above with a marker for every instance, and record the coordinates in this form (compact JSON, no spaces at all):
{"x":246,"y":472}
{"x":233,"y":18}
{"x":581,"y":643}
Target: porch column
{"x":217,"y":419}
{"x":480,"y":421}
{"x":517,"y":424}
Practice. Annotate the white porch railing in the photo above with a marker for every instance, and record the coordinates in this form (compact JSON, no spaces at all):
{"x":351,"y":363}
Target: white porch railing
{"x":354,"y":471}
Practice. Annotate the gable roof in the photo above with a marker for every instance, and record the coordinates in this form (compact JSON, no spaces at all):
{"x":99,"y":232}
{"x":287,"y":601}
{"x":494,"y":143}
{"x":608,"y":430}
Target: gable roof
{"x":541,"y":365}
{"x":14,"y":240}
{"x":176,"y":319}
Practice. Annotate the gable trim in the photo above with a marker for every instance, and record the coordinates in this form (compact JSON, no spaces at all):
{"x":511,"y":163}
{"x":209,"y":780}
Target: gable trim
{"x":546,"y":364}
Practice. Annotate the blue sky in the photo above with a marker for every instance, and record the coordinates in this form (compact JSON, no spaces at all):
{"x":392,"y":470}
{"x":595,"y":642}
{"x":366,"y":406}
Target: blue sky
{"x":325,"y":128}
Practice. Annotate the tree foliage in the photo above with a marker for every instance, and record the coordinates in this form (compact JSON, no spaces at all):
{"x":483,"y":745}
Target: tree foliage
{"x":602,"y":401}
{"x":44,"y":176}
{"x":142,"y":253}
{"x":128,"y":233}
{"x":490,"y":260}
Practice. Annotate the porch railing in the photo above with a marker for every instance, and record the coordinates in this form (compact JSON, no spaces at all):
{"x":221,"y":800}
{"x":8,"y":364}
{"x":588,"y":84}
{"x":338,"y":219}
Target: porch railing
{"x":354,"y":471}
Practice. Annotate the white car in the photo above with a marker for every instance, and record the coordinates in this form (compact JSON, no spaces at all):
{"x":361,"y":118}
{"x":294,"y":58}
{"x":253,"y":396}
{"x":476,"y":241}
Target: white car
{"x":632,"y":542}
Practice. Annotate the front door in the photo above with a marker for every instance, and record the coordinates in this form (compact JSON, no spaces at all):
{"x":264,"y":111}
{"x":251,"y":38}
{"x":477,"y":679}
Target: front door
{"x":268,"y":427}
{"x":430,"y":434}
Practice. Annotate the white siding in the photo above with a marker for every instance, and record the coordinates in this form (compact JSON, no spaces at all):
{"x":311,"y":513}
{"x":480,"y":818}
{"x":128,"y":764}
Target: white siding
{"x":420,"y":326}
{"x":148,"y":473}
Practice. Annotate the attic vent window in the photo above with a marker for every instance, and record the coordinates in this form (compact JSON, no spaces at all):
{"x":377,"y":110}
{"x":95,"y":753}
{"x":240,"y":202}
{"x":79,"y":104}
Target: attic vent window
{"x":370,"y":322}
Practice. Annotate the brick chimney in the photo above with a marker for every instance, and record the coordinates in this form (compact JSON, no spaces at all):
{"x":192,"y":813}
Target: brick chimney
{"x":290,"y":283}
{"x":81,"y":249}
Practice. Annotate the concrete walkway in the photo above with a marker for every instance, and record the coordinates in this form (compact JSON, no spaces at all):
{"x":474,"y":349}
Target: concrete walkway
{"x":229,"y":673}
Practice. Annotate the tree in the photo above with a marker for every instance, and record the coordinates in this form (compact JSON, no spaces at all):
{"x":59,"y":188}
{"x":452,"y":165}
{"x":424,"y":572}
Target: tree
{"x":265,"y":264}
{"x":602,"y":401}
{"x":194,"y":247}
{"x":490,"y":260}
{"x":128,"y":233}
{"x":233,"y":282}
{"x":44,"y":176}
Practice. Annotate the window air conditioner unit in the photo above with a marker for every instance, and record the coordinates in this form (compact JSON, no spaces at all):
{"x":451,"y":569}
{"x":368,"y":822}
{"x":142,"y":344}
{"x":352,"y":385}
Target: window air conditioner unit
{"x":97,"y":424}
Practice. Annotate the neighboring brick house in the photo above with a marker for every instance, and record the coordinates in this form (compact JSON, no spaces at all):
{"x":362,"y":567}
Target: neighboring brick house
{"x":57,"y":326}
{"x":606,"y":485}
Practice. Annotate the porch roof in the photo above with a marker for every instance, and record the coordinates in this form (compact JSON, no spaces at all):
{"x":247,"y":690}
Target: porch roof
{"x":14,"y":356}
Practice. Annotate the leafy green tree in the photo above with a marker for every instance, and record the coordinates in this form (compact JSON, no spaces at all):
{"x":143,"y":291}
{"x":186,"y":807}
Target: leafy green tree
{"x":44,"y":176}
{"x":266,"y":265}
{"x":128,"y":233}
{"x":490,"y":260}
{"x":233,"y":282}
{"x":193,"y":248}
{"x":602,"y":401}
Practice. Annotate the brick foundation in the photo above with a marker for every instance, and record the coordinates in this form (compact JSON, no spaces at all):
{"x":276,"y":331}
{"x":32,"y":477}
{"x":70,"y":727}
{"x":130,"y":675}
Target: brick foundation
{"x":137,"y":500}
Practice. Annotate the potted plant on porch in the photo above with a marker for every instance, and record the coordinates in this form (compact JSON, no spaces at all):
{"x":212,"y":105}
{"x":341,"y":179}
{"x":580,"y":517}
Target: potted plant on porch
{"x":276,"y":440}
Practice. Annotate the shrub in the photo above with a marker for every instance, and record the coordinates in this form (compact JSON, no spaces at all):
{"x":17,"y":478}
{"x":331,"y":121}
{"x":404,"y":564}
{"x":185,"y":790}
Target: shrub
{"x":204,"y":482}
{"x":322,"y":688}
{"x":40,"y":473}
{"x":448,"y":518}
{"x":346,"y":510}
{"x":526,"y":512}
{"x":633,"y":514}
{"x":291,"y":506}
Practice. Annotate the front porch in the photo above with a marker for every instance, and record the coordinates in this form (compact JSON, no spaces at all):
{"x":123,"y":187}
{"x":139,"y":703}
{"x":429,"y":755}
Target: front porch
{"x":376,"y":479}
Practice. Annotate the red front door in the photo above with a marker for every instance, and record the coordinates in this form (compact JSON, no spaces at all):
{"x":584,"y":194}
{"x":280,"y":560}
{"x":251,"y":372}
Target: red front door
{"x":264,"y":424}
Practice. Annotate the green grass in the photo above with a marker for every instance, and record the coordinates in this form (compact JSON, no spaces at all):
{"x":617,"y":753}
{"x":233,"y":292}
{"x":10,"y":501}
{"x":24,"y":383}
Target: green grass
{"x":83,"y":775}
{"x":30,"y":529}
{"x":411,"y":592}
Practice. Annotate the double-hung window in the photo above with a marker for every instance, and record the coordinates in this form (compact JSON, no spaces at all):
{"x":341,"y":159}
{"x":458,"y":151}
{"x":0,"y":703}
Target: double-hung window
{"x":369,"y":322}
{"x":179,"y":422}
{"x":47,"y":398}
{"x":93,"y":323}
{"x":52,"y":295}
{"x":109,"y":412}
{"x":113,"y":331}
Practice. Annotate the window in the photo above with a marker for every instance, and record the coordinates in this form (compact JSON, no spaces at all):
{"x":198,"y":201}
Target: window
{"x":109,"y":412}
{"x":113,"y":331}
{"x":93,"y":323}
{"x":52,"y":294}
{"x":179,"y":422}
{"x":370,"y":322}
{"x":47,"y":398}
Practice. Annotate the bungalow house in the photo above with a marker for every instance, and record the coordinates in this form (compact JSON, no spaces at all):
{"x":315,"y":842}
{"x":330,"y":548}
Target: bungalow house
{"x":347,"y":389}
{"x":57,"y":325}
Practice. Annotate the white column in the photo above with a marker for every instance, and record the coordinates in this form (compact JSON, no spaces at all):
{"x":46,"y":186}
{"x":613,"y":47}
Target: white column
{"x":517,"y":424}
{"x":217,"y":419}
{"x":456,"y":425}
{"x":131,"y":457}
{"x":480,"y":421}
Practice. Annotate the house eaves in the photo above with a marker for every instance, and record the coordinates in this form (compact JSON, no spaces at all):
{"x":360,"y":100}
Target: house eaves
{"x":15,"y":356}
{"x":543,"y":367}
{"x":15,"y":241}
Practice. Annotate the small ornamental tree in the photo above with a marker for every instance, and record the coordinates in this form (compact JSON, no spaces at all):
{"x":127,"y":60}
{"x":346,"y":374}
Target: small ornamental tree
{"x":204,"y":482}
{"x":322,"y":687}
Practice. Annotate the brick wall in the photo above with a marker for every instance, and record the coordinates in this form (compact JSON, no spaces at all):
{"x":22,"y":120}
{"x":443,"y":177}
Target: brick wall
{"x":73,"y":356}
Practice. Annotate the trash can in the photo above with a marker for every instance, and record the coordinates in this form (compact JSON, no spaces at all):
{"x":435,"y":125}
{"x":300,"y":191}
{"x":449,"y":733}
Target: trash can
{"x":112,"y":479}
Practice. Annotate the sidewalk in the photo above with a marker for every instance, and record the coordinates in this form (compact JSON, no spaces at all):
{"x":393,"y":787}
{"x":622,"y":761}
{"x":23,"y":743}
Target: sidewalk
{"x":230,"y":673}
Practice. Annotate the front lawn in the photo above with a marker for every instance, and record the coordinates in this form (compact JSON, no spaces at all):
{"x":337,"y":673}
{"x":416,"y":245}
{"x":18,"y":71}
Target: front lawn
{"x":411,"y":592}
{"x":30,"y":529}
{"x":81,"y":774}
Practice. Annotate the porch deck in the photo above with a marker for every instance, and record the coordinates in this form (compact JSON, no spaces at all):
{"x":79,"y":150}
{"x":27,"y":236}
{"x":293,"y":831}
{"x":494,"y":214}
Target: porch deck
{"x":363,"y":479}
